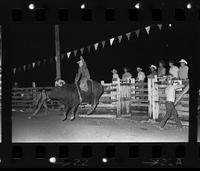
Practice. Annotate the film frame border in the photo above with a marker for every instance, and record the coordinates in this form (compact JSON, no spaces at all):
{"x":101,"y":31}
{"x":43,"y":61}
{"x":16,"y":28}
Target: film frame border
{"x":14,"y":152}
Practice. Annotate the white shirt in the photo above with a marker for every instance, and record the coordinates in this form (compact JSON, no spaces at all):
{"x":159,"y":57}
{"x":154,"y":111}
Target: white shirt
{"x":170,"y":92}
{"x":141,"y":76}
{"x":174,"y":71}
{"x":183,"y":72}
{"x":115,"y":76}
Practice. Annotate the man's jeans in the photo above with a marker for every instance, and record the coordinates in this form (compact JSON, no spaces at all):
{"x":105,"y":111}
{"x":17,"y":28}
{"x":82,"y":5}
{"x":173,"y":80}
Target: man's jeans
{"x":170,"y":109}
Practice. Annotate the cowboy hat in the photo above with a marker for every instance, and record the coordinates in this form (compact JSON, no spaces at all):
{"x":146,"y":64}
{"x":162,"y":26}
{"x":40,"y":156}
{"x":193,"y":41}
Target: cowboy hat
{"x":153,"y":66}
{"x":138,"y":68}
{"x":114,"y":70}
{"x":183,"y":61}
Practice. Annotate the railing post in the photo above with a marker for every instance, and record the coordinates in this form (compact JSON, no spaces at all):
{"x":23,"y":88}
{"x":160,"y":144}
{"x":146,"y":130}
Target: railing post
{"x":150,"y":88}
{"x":118,"y":98}
{"x":155,"y":99}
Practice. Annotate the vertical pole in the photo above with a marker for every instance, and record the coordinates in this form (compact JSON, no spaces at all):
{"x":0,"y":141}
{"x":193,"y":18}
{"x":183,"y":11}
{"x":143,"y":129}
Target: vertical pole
{"x":156,"y":98}
{"x":118,"y":98}
{"x":57,"y":44}
{"x":150,"y":96}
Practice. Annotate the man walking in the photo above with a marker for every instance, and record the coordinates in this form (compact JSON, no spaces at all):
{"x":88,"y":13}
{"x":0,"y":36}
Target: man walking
{"x":170,"y":92}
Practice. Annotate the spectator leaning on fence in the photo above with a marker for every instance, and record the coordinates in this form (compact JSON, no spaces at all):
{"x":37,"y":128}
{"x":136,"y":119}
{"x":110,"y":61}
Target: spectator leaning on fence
{"x":183,"y":70}
{"x":140,"y":76}
{"x":173,"y":71}
{"x":170,"y":92}
{"x":161,"y":69}
{"x":115,"y":76}
{"x":127,"y":75}
{"x":153,"y":71}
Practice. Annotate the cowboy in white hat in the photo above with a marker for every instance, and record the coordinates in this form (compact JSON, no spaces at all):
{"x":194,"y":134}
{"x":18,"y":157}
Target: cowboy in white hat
{"x":115,"y":75}
{"x":153,"y":71}
{"x":140,"y":76}
{"x":83,"y":73}
{"x":183,"y":70}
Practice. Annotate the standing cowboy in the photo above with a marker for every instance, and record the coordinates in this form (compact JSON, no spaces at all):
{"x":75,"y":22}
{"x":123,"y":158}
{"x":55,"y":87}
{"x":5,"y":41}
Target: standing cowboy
{"x":153,"y":71}
{"x":161,"y":69}
{"x":127,"y":75}
{"x":170,"y":92}
{"x":140,"y":76}
{"x":41,"y":100}
{"x":173,"y":69}
{"x":115,"y":76}
{"x":183,"y":70}
{"x":83,"y":74}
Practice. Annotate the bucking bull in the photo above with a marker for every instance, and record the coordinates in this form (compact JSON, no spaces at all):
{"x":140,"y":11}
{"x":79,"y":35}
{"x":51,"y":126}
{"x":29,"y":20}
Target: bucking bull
{"x":71,"y":96}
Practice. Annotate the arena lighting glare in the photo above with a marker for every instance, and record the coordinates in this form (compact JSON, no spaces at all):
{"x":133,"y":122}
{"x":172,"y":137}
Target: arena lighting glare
{"x":104,"y":160}
{"x":52,"y":160}
{"x":189,"y":6}
{"x":137,"y":6}
{"x":82,"y":6}
{"x":31,"y":6}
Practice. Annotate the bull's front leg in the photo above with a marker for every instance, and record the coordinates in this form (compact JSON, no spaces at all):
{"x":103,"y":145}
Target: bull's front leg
{"x":66,"y":111}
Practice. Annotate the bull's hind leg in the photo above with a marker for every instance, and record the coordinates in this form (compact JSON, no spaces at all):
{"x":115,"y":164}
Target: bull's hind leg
{"x":73,"y":112}
{"x":66,"y":111}
{"x":93,"y":106}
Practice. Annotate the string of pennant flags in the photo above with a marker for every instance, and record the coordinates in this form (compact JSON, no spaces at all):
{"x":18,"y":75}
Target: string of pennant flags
{"x":95,"y":45}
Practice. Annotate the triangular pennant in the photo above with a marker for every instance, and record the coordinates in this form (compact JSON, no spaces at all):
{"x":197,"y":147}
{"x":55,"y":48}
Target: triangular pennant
{"x":38,"y":63}
{"x":56,"y":58}
{"x":147,"y":29}
{"x":68,"y":54}
{"x":62,"y":56}
{"x":111,"y":41}
{"x":159,"y":26}
{"x":44,"y":61}
{"x":33,"y":64}
{"x":128,"y":35}
{"x":24,"y":67}
{"x":96,"y":45}
{"x":88,"y":47}
{"x":137,"y":33}
{"x":75,"y":52}
{"x":29,"y":66}
{"x":103,"y":43}
{"x":81,"y":49}
{"x":120,"y":38}
{"x":14,"y":70}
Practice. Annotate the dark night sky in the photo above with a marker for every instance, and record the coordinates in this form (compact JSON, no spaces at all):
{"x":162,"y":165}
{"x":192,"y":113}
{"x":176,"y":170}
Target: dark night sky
{"x":36,"y":42}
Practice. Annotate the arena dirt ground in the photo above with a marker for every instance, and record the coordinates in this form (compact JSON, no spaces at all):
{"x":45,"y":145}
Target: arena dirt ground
{"x":51,"y":128}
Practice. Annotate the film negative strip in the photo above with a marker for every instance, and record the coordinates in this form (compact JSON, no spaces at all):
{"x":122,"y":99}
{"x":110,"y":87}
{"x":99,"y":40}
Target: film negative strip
{"x":92,"y":83}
